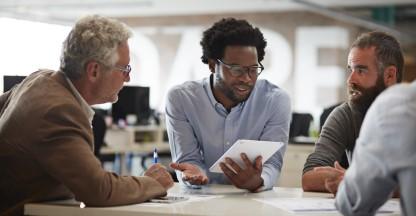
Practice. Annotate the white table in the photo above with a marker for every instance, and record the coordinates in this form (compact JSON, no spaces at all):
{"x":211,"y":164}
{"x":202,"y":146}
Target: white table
{"x":231,"y":201}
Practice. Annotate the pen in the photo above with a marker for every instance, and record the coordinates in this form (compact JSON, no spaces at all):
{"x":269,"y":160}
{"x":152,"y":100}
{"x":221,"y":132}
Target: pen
{"x":155,"y":156}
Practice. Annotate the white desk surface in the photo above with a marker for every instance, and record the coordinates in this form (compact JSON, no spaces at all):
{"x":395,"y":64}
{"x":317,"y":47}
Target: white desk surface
{"x":231,"y":201}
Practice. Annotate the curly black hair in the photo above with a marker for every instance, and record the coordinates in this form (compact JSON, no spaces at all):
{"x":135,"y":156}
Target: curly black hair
{"x":230,"y":32}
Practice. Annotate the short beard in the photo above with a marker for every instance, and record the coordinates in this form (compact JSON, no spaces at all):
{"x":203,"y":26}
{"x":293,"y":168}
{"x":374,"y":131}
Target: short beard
{"x":368,"y":95}
{"x":228,"y":92}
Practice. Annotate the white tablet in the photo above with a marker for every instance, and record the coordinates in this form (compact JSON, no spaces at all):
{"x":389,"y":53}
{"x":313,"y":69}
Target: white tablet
{"x":252,"y":148}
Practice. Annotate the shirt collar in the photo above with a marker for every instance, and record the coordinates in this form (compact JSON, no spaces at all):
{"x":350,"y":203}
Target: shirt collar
{"x":86,"y":108}
{"x":207,"y":84}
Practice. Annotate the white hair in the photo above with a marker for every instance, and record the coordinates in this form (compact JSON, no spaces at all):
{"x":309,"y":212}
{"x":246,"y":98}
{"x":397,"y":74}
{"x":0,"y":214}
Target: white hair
{"x":92,"y":38}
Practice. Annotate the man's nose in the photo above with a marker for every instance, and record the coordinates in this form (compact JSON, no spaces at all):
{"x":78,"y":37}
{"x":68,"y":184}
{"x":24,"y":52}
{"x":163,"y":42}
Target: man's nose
{"x":127,"y":78}
{"x":352,"y":78}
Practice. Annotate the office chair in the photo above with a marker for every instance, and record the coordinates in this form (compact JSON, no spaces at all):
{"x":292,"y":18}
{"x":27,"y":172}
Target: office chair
{"x":299,"y":127}
{"x":325,"y":115}
{"x":99,"y":129}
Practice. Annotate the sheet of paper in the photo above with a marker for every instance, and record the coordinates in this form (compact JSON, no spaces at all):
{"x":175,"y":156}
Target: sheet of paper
{"x":316,"y":205}
{"x":252,"y":148}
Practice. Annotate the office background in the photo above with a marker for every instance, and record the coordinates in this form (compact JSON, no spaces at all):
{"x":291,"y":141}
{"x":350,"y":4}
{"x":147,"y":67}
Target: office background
{"x":308,"y":41}
{"x":308,"y":44}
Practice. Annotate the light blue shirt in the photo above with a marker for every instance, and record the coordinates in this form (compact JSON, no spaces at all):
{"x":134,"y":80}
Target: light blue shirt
{"x":384,"y":156}
{"x":200,"y":129}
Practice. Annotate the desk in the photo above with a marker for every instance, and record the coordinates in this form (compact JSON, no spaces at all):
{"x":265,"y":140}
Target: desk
{"x":293,"y":162}
{"x":123,"y":140}
{"x":134,"y":139}
{"x":232,"y":201}
{"x":130,"y":139}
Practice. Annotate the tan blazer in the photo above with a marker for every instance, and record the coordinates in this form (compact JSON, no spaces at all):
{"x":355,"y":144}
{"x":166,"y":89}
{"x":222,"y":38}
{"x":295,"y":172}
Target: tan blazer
{"x":46,"y":151}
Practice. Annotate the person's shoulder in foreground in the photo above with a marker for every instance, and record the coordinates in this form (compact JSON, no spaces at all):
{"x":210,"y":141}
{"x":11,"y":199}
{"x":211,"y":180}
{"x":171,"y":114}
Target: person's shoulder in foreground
{"x":45,"y":126}
{"x":384,"y":156}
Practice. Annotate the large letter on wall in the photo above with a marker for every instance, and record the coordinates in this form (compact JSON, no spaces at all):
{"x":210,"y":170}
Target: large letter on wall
{"x":187,"y":64}
{"x":280,"y":55}
{"x":308,"y":74}
{"x":144,"y":60}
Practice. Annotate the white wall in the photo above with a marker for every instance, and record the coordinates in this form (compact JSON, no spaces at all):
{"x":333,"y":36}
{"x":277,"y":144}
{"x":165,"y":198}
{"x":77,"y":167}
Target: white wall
{"x":27,"y":46}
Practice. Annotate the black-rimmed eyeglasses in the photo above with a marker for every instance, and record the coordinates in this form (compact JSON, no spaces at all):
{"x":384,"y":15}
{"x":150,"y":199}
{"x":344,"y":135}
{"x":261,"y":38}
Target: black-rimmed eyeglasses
{"x":126,"y":70}
{"x":238,"y":70}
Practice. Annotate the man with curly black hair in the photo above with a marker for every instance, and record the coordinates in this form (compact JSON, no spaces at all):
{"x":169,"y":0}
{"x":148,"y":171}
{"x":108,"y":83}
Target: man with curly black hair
{"x":204,"y":118}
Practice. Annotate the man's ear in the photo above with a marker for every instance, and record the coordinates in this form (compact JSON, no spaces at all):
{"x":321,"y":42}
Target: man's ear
{"x":211,"y":64}
{"x":390,"y":75}
{"x":92,"y":69}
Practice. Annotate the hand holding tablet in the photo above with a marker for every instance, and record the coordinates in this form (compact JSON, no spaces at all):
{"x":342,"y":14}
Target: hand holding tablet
{"x":252,"y":148}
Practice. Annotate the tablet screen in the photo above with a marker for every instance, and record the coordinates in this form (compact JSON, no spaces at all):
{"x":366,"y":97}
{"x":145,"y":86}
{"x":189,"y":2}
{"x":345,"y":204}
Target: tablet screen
{"x":252,"y":148}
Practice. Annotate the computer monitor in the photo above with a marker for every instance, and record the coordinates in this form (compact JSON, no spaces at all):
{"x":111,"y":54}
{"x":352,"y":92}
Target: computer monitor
{"x":132,"y":100}
{"x":10,"y":81}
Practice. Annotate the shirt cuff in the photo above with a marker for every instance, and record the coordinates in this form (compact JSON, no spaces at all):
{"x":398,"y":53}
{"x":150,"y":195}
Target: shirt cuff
{"x":267,"y":182}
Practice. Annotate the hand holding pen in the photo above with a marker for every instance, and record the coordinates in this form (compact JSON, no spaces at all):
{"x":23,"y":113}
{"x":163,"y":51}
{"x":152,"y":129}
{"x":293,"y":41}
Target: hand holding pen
{"x":159,"y":173}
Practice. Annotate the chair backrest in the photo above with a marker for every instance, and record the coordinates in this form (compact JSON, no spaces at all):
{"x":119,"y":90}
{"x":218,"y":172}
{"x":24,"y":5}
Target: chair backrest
{"x":299,"y":126}
{"x":325,"y":115}
{"x":99,"y":129}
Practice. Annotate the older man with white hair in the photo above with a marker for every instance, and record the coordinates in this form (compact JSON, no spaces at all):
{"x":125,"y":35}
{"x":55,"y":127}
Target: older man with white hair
{"x":46,"y":141}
